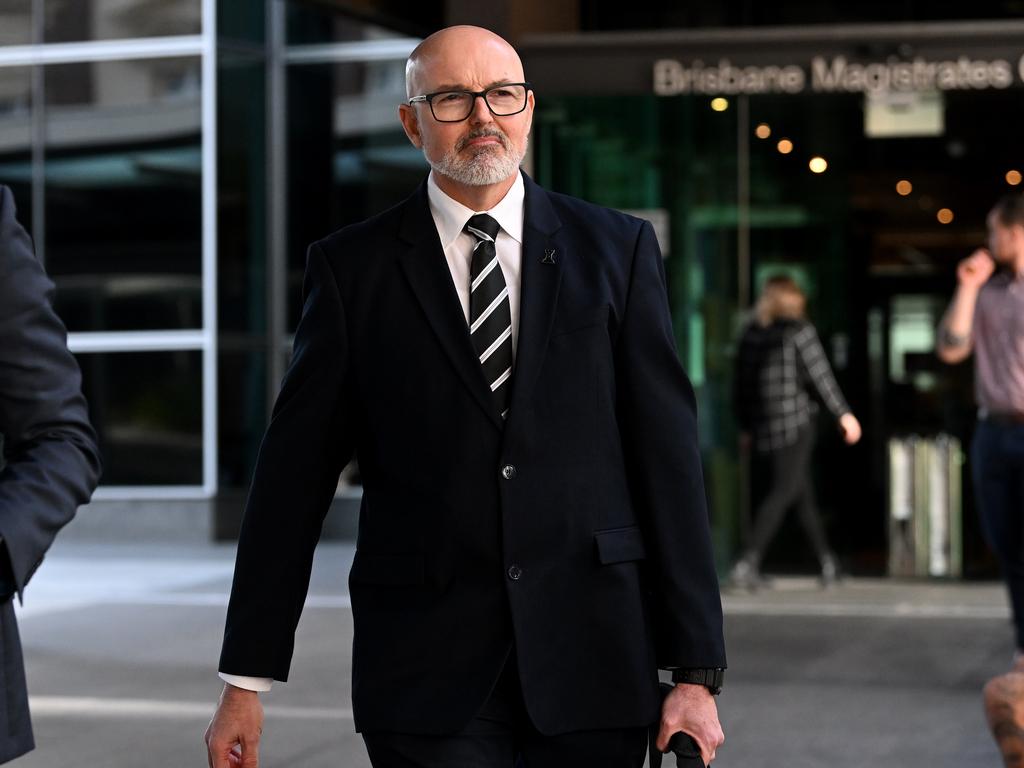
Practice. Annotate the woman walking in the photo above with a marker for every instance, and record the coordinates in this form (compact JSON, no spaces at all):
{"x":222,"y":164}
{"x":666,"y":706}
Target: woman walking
{"x":780,"y":366}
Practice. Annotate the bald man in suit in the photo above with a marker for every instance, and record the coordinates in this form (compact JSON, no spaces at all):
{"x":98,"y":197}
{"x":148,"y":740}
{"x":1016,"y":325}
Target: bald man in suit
{"x":533,"y":539}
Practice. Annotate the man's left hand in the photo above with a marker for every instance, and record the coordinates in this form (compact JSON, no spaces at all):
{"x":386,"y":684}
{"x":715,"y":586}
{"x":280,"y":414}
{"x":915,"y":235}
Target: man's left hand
{"x":691,"y":709}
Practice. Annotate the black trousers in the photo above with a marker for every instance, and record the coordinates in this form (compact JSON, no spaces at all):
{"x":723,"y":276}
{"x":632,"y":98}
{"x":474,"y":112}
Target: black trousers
{"x":997,"y":464}
{"x":502,"y":736}
{"x":789,"y":483}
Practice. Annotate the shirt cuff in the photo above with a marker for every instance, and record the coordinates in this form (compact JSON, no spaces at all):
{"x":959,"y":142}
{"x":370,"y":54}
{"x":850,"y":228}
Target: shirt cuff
{"x":261,"y":684}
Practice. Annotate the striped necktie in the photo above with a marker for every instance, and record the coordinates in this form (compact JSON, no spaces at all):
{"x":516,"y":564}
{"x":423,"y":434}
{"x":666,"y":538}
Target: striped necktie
{"x":490,"y":314}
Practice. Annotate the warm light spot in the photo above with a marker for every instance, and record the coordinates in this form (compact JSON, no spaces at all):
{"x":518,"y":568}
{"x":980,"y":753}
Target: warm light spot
{"x":785,"y":146}
{"x":904,"y":187}
{"x":763,"y":131}
{"x":719,"y":104}
{"x":817,"y":164}
{"x":945,"y":216}
{"x":1013,"y":178}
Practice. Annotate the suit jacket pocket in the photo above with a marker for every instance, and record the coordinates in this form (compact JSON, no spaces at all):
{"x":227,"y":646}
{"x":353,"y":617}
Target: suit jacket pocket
{"x":619,"y":545}
{"x":578,"y":321}
{"x":388,"y":570}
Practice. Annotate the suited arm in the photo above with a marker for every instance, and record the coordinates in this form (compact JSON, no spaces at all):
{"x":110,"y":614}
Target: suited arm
{"x":658,"y":422}
{"x":307,"y":444}
{"x":51,"y":461}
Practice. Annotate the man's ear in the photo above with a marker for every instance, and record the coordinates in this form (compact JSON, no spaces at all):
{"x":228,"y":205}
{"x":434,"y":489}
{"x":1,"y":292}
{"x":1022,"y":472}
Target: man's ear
{"x":411,"y":124}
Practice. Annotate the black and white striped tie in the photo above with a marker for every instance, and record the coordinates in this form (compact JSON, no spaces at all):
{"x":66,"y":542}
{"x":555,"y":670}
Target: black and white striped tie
{"x":490,"y":314}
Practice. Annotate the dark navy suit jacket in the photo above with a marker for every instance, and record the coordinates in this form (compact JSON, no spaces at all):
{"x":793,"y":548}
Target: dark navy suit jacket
{"x":50,"y":459}
{"x":574,"y":535}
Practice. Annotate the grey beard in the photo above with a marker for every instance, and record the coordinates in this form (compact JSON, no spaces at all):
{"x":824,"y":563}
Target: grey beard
{"x":484,"y":167}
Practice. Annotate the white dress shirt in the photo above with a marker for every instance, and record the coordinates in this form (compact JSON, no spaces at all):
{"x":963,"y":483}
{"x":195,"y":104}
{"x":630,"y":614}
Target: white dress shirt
{"x":450,"y":217}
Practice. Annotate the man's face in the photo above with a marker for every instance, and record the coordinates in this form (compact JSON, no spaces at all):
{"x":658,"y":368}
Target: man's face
{"x":483,"y":149}
{"x":1005,"y":243}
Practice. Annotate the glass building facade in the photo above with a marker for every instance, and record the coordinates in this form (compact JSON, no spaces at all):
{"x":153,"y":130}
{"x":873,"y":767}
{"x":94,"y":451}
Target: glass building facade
{"x":105,"y":115}
{"x":172,"y":159}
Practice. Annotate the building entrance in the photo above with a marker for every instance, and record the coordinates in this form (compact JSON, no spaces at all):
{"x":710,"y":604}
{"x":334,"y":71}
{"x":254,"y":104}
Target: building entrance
{"x":868,"y":195}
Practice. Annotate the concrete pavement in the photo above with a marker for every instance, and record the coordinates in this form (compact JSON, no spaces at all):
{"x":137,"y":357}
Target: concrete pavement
{"x":122,"y":642}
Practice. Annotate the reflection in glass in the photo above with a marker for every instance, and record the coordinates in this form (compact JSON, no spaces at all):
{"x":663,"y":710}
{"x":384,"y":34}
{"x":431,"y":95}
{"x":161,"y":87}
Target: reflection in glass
{"x":123,"y":193}
{"x":80,"y":20}
{"x":242,"y":198}
{"x":241,"y":266}
{"x":241,"y":409}
{"x":244,"y":22}
{"x":348,"y":156}
{"x":147,"y":409}
{"x":15,"y":22}
{"x":317,"y":22}
{"x":16,"y":136}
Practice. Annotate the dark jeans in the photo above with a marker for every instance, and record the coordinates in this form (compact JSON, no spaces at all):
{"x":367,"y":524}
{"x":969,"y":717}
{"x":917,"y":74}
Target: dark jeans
{"x":789,"y":483}
{"x":502,"y":736}
{"x":997,"y":465}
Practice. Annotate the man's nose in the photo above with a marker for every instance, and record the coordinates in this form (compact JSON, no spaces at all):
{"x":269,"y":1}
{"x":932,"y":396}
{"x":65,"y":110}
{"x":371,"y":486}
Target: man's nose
{"x":481,"y":112}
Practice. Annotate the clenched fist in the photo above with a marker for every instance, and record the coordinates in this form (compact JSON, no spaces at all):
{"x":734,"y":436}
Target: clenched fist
{"x":976,"y":269}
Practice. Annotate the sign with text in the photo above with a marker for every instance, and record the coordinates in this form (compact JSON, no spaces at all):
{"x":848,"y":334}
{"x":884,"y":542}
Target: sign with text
{"x":836,"y":75}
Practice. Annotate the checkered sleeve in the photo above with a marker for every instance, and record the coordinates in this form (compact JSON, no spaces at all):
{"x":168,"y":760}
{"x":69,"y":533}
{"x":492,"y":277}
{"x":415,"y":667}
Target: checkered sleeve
{"x":818,"y":371}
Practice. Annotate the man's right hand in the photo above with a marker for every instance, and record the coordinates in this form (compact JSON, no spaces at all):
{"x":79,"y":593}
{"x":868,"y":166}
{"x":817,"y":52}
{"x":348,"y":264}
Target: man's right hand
{"x":974,"y":271}
{"x":233,"y":736}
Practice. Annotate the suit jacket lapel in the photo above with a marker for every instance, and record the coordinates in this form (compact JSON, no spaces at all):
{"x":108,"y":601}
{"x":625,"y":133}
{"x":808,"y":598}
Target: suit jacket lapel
{"x":431,"y":280}
{"x":543,"y":262}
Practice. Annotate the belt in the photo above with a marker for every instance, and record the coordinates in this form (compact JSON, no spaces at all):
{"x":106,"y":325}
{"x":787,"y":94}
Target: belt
{"x":1007,"y":418}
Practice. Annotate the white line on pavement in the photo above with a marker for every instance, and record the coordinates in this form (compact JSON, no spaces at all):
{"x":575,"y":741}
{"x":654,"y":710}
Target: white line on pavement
{"x":47,"y":606}
{"x":155,"y":709}
{"x":732,"y":606}
{"x":865,"y":610}
{"x":219,"y":599}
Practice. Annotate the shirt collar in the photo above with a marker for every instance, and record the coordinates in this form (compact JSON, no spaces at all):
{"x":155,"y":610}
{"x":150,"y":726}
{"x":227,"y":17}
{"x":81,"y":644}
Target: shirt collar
{"x":451,"y":216}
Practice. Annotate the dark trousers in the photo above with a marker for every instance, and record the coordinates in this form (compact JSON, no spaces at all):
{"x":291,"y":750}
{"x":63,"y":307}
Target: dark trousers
{"x":789,"y":483}
{"x":502,"y":736}
{"x":997,"y":466}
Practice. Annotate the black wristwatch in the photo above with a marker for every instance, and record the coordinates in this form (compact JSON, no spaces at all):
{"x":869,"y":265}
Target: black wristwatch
{"x":711,"y":679}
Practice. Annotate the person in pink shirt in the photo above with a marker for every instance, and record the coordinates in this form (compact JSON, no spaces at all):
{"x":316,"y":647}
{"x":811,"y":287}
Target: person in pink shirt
{"x":986,"y":318}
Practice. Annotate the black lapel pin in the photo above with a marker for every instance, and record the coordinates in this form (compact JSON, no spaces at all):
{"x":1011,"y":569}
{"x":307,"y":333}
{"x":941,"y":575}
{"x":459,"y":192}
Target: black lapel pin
{"x":549,"y":256}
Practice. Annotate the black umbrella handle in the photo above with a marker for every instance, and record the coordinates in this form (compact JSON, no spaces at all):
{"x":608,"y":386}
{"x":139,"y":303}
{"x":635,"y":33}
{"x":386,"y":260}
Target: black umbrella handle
{"x":686,"y":751}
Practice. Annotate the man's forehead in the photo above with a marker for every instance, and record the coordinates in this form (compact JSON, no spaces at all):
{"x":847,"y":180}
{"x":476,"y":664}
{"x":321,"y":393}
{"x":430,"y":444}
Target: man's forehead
{"x":465,"y":59}
{"x":463,"y":72}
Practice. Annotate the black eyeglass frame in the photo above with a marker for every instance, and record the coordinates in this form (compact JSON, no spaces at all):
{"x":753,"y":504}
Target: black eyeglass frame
{"x":429,"y":99}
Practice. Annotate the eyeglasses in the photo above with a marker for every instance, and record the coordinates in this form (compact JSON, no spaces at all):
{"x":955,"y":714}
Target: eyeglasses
{"x":456,"y":106}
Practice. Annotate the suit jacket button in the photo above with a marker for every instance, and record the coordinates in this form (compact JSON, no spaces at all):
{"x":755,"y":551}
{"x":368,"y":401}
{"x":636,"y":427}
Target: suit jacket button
{"x":515,"y":572}
{"x":508,"y":472}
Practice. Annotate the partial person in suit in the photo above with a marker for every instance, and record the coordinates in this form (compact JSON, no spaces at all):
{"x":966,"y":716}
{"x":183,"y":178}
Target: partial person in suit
{"x":50,"y":460}
{"x":533,"y":539}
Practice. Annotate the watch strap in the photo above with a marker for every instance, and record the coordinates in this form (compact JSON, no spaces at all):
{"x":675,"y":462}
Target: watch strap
{"x":710,"y":678}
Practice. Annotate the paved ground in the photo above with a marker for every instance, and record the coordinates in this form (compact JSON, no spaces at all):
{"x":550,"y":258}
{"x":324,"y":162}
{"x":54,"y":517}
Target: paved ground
{"x":122,"y":645}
